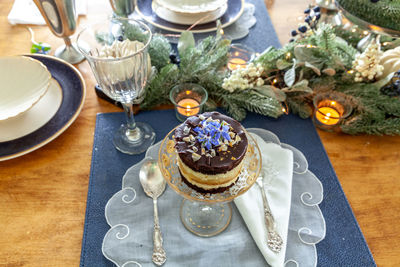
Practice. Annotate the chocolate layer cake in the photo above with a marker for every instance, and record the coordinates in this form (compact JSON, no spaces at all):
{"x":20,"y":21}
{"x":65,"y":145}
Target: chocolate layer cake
{"x":211,"y":149}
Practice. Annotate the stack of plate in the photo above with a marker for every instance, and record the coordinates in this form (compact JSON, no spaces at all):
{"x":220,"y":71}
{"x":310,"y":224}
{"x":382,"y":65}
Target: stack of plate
{"x":40,"y":97}
{"x":179,"y":15}
{"x":188,"y":12}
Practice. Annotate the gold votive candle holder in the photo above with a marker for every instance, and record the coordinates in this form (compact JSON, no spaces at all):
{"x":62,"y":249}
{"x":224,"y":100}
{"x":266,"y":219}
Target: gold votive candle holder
{"x":189,"y":99}
{"x":239,"y":56}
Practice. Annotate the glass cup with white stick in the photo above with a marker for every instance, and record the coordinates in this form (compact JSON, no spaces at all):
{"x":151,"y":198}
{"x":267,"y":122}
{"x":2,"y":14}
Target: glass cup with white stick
{"x":121,"y":64}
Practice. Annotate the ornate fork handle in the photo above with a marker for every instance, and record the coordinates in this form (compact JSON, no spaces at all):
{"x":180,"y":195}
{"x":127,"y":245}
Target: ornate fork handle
{"x":159,"y":256}
{"x":274,"y":240}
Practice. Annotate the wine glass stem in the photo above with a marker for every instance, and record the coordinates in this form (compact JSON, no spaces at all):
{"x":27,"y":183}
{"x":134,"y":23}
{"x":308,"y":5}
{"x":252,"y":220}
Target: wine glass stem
{"x":67,"y":41}
{"x":132,"y":132}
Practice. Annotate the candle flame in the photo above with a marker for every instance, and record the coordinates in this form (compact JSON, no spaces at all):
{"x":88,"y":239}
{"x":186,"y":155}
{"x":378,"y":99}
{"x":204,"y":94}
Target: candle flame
{"x":188,"y":92}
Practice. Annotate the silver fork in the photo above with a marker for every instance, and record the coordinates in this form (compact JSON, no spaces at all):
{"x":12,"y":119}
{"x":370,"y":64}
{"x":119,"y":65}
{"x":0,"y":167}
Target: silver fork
{"x":274,"y":240}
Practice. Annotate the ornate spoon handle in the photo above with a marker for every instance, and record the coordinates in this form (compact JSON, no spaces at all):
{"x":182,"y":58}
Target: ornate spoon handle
{"x":274,"y":241}
{"x":159,"y":256}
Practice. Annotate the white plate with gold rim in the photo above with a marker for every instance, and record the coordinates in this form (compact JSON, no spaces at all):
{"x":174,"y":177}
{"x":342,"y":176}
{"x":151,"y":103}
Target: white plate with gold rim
{"x":191,"y":6}
{"x":35,"y":117}
{"x":188,"y":19}
{"x":234,"y":11}
{"x":23,"y":81}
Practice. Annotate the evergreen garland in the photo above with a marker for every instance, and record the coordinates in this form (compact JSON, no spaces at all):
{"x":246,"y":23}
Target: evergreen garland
{"x":320,"y":60}
{"x":204,"y":64}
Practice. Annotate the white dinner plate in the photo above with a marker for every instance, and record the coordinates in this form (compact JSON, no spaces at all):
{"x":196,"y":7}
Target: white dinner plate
{"x":35,"y":117}
{"x":191,"y":6}
{"x":234,"y":10}
{"x":188,"y":19}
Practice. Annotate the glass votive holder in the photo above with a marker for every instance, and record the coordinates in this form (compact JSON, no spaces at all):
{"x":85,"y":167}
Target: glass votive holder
{"x":189,"y":99}
{"x":239,"y":56}
{"x":329,"y":111}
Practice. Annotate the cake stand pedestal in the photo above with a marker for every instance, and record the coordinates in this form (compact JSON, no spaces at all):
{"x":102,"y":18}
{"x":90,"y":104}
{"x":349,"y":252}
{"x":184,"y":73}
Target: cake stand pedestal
{"x":207,"y":214}
{"x":205,"y":219}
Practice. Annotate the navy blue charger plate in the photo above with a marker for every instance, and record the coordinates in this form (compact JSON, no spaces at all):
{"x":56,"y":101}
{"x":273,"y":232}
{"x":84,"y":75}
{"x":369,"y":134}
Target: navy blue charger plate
{"x":73,"y":91}
{"x":234,"y":11}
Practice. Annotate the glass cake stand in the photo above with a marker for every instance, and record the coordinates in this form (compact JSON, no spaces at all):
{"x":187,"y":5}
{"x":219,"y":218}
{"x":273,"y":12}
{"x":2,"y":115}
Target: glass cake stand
{"x":366,"y":25}
{"x":373,"y":29}
{"x":207,"y":214}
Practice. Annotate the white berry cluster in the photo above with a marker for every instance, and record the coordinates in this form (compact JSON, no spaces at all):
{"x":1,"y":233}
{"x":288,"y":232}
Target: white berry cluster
{"x":243,"y":78}
{"x":367,"y":65}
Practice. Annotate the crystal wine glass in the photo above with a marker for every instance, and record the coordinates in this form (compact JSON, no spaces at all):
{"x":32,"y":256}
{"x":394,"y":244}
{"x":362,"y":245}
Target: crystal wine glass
{"x":120,"y":62}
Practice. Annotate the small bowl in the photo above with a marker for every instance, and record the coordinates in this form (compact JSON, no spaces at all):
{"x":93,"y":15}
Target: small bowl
{"x":23,"y":82}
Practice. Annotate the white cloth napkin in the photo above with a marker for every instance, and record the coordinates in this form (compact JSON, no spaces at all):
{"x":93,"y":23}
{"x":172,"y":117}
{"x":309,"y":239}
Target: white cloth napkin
{"x":277,"y":170}
{"x":26,"y":12}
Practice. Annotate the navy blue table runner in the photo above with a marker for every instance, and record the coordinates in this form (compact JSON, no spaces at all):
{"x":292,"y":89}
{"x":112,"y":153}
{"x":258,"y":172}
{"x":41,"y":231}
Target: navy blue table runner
{"x":344,"y":244}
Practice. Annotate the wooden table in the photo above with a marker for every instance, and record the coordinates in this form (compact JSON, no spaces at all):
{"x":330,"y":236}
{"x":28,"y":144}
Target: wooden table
{"x":43,"y":194}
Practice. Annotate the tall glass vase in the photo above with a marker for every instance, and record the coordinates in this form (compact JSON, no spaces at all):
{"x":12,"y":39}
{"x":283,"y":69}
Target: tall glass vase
{"x":120,"y":62}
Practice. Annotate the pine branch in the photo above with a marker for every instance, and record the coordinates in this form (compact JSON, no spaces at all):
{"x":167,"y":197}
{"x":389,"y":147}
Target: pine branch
{"x":298,"y":105}
{"x":388,"y":127}
{"x":257,"y":103}
{"x":157,"y":91}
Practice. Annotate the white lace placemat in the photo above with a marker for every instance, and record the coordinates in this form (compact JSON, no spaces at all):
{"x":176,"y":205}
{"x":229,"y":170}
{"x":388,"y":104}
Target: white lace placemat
{"x":130,"y":215}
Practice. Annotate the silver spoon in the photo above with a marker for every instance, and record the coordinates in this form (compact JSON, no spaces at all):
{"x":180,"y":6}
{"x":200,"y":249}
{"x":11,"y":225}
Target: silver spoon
{"x":153,"y":185}
{"x":274,"y":240}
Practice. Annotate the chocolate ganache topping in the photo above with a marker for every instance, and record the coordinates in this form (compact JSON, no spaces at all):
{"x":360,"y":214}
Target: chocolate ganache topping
{"x":211,"y":143}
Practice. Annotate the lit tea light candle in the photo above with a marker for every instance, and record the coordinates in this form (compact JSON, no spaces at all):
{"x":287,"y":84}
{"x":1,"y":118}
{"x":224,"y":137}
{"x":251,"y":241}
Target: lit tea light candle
{"x":188,"y":107}
{"x":327,"y":115}
{"x":236,"y":63}
{"x":240,"y":56}
{"x":189,"y":99}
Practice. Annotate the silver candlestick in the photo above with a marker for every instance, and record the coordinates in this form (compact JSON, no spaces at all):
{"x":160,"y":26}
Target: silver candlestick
{"x":60,"y":16}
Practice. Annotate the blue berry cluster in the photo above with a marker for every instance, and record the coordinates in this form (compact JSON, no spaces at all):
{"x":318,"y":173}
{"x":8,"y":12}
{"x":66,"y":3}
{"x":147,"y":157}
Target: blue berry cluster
{"x":312,"y":16}
{"x":174,"y":59}
{"x":393,"y":89}
{"x":212,"y":133}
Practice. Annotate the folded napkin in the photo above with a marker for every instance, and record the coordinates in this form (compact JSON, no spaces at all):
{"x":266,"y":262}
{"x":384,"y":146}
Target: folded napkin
{"x":26,"y":12}
{"x":277,"y":170}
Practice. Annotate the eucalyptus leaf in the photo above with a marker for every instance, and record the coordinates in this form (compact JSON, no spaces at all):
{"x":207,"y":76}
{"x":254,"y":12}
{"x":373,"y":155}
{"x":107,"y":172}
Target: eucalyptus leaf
{"x":306,"y":54}
{"x":283,"y":64}
{"x":186,"y":41}
{"x":301,"y":86}
{"x":329,"y":71}
{"x":314,"y":68}
{"x":219,"y":31}
{"x":290,"y":75}
{"x":271,"y":91}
